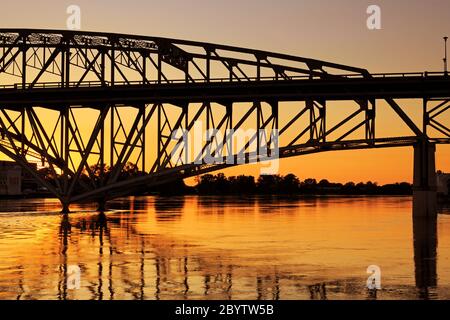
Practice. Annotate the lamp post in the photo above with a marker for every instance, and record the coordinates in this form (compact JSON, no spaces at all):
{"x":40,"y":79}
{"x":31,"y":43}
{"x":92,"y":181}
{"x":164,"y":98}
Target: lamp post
{"x":445,"y":57}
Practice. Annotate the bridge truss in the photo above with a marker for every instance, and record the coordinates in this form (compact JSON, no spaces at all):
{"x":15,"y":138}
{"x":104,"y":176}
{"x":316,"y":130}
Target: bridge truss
{"x":93,"y":116}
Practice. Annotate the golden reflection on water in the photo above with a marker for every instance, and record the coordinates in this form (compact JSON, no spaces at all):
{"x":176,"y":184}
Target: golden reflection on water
{"x":223,"y":248}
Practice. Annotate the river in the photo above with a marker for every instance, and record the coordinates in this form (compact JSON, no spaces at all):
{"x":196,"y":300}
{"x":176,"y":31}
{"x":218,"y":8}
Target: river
{"x":223,"y":248}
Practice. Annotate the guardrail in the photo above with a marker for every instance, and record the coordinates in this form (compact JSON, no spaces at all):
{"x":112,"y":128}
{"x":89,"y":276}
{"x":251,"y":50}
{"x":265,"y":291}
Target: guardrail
{"x":90,"y":84}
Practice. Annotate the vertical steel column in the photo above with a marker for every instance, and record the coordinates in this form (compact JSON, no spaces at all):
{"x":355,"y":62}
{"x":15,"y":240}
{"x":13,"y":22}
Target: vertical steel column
{"x":67,"y":64}
{"x":370,"y":121}
{"x":323,"y":121}
{"x":426,"y":117}
{"x":259,"y":125}
{"x":65,"y":123}
{"x":24,"y":60}
{"x":102,"y":153}
{"x":275,"y":126}
{"x":103,"y":67}
{"x":159,"y":151}
{"x":61,"y":139}
{"x":208,"y":65}
{"x":144,"y":67}
{"x":312,"y":119}
{"x":159,"y":68}
{"x":113,"y":63}
{"x":63,"y":64}
{"x":229,"y":111}
{"x":112,"y":136}
{"x":143,"y":140}
{"x":185,"y":134}
{"x":23,"y":133}
{"x":258,"y":68}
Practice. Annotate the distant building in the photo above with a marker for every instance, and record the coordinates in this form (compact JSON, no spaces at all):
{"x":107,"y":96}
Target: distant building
{"x":10,"y":178}
{"x":443,"y":183}
{"x":13,"y":181}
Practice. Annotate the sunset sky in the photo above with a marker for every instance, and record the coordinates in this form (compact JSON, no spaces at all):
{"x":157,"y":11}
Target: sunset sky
{"x":410,"y":40}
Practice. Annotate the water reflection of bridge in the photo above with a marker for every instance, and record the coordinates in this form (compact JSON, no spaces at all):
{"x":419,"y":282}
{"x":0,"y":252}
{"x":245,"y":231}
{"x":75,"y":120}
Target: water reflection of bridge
{"x":171,"y":269}
{"x":168,"y":272}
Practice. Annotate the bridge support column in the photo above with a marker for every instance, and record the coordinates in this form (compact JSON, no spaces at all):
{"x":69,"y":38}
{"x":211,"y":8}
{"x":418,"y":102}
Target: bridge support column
{"x":65,"y":208}
{"x":425,"y":252}
{"x":101,"y":205}
{"x":424,"y":188}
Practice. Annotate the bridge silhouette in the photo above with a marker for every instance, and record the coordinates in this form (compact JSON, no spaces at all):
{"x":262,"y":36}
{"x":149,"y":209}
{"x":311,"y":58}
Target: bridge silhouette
{"x":85,"y":105}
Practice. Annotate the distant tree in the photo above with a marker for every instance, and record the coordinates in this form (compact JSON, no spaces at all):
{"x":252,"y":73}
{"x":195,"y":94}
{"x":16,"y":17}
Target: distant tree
{"x":289,"y":184}
{"x":324,"y":183}
{"x":96,"y":171}
{"x":206,"y":184}
{"x":269,"y":184}
{"x":47,"y":173}
{"x":222,"y":184}
{"x":371,"y":187}
{"x":309,"y":186}
{"x":311,"y":182}
{"x":242,"y":184}
{"x":98,"y":168}
{"x":349,"y":188}
{"x":403,"y":188}
{"x":176,"y":187}
{"x":130,"y":169}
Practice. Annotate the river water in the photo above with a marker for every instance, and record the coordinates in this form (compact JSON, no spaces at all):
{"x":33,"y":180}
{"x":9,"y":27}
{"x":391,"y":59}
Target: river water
{"x":223,"y":248}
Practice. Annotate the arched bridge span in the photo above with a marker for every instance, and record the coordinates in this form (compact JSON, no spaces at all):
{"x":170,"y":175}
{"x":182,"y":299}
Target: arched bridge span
{"x":94,"y":115}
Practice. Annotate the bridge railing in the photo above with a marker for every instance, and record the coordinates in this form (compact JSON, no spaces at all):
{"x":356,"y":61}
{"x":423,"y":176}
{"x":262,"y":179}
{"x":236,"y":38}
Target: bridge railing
{"x":90,"y":84}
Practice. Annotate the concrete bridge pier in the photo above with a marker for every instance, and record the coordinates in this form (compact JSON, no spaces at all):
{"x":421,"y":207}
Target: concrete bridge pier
{"x":425,"y":218}
{"x":424,"y":186}
{"x":425,"y":255}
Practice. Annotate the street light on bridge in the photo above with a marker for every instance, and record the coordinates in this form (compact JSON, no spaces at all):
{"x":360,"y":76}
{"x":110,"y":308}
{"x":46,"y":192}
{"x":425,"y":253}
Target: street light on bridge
{"x":445,"y":57}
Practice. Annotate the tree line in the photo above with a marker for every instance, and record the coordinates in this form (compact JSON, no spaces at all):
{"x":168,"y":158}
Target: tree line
{"x":290,"y":184}
{"x":219,"y":184}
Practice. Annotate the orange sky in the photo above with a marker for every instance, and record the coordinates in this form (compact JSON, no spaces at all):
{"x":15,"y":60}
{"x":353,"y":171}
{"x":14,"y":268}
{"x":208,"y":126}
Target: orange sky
{"x":410,"y":40}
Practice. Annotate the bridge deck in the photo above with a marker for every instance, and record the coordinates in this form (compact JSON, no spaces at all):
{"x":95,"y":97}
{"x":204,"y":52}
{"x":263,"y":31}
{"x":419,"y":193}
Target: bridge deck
{"x":414,"y":86}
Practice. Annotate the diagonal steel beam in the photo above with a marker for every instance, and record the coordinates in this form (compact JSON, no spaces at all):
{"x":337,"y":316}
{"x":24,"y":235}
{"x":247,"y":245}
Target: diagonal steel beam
{"x":405,"y":117}
{"x":44,"y":68}
{"x":88,"y":149}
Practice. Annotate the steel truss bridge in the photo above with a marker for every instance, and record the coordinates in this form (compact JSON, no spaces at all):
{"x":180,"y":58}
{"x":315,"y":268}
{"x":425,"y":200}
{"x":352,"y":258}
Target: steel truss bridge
{"x":81,"y":110}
